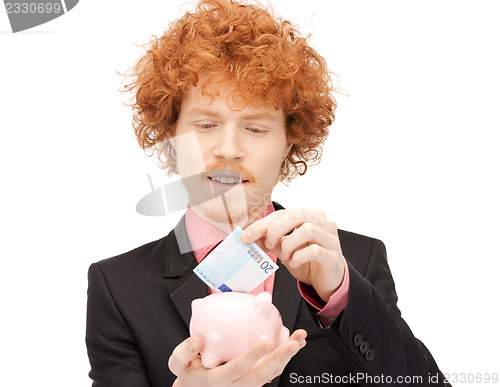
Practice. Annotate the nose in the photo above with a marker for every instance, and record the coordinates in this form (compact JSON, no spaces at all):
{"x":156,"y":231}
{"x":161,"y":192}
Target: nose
{"x":228,"y":146}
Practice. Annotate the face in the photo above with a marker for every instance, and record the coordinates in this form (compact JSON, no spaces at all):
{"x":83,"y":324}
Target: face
{"x":229,"y":155}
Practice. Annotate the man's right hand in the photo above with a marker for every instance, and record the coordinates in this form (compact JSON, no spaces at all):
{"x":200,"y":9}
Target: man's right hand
{"x":243,"y":371}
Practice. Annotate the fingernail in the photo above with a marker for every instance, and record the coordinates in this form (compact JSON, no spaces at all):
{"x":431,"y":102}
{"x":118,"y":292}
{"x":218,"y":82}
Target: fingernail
{"x":190,"y":346}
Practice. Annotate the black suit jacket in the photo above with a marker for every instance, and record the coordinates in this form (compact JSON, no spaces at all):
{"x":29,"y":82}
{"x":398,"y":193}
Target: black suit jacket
{"x":139,"y":307}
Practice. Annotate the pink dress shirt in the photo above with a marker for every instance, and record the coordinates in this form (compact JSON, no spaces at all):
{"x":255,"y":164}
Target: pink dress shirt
{"x":205,"y":236}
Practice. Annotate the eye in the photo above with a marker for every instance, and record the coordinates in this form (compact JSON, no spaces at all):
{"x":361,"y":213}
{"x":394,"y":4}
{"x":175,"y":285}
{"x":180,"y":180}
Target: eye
{"x":206,"y":125}
{"x":257,"y":131}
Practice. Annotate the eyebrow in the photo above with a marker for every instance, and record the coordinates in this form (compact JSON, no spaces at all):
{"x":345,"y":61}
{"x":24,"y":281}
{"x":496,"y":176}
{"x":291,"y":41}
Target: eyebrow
{"x":204,"y":112}
{"x":246,"y":117}
{"x":262,"y":116}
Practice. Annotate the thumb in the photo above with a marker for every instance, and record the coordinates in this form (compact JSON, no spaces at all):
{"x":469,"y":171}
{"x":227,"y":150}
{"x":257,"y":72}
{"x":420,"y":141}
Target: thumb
{"x":185,"y":356}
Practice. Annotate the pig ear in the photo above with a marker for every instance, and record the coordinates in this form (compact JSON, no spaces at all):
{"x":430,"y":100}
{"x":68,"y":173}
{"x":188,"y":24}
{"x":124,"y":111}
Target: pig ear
{"x":262,"y":303}
{"x":195,"y":304}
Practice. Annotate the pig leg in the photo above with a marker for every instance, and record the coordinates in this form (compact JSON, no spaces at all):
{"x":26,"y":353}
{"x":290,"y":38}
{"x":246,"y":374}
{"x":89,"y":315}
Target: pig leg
{"x":210,"y":356}
{"x":284,"y":334}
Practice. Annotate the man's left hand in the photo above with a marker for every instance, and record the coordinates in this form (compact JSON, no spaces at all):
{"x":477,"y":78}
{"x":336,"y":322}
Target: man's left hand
{"x":311,"y":253}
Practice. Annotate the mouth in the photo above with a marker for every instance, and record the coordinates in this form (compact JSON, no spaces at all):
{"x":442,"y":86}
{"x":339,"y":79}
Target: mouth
{"x":226,"y":177}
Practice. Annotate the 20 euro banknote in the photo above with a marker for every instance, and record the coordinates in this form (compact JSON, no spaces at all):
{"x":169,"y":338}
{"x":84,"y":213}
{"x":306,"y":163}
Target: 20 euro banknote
{"x":235,"y":266}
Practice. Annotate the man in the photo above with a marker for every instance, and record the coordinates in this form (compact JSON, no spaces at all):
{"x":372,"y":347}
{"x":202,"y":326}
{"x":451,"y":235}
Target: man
{"x":234,"y":101}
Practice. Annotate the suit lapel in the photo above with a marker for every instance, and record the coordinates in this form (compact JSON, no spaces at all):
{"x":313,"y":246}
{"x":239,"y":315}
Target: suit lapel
{"x":286,"y":297}
{"x":185,"y":286}
{"x":188,"y":288}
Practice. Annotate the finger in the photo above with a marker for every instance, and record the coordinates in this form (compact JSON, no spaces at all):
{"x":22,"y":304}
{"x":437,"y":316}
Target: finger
{"x":307,"y":233}
{"x":294,"y":219}
{"x":279,"y":358}
{"x":258,"y":229}
{"x":313,"y":253}
{"x":299,"y":335}
{"x":185,"y":356}
{"x":274,"y":363}
{"x":242,"y":364}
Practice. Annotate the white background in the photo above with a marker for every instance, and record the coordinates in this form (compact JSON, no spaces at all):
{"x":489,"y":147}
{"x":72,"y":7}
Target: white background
{"x":412,"y":160}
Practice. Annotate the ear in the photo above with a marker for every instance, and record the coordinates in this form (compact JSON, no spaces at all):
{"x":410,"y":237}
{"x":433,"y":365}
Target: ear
{"x":172,"y":141}
{"x":262,"y":303}
{"x":289,"y":145}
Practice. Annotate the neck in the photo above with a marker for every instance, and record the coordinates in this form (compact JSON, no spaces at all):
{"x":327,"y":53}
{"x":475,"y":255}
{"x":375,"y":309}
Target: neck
{"x":227,"y":220}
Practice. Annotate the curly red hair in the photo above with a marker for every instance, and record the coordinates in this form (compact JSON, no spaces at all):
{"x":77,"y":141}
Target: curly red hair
{"x":264,"y":57}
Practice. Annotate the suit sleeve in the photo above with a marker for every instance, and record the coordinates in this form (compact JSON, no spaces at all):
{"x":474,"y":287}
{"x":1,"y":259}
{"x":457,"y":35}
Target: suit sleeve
{"x":371,"y":335}
{"x":115,"y":358}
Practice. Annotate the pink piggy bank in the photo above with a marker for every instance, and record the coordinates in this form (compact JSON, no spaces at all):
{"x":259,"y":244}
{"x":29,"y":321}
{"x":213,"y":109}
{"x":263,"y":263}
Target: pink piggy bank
{"x":230,"y":323}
